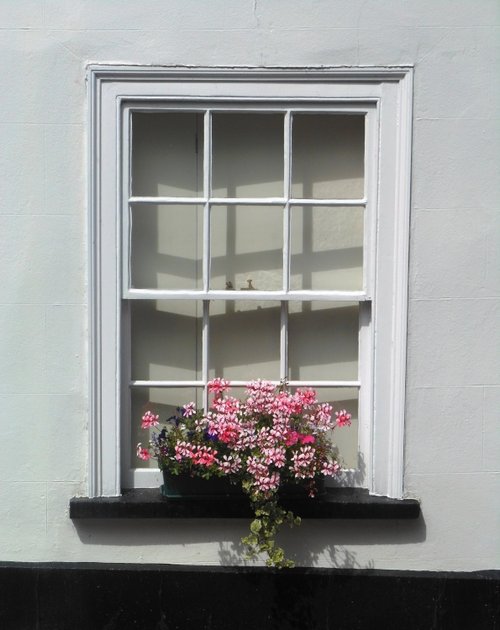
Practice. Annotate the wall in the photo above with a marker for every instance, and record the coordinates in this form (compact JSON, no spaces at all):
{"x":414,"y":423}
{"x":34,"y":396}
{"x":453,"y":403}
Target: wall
{"x":452,"y":445}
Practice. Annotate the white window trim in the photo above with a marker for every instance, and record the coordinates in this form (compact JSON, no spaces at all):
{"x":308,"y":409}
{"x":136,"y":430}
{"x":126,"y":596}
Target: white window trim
{"x":390,"y":90}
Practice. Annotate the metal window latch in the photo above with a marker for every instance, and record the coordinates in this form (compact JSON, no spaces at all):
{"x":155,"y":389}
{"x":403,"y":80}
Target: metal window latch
{"x":250,"y":286}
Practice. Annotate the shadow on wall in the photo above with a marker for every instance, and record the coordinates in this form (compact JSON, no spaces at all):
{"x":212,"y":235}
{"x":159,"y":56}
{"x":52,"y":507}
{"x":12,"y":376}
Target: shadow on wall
{"x":314,"y":542}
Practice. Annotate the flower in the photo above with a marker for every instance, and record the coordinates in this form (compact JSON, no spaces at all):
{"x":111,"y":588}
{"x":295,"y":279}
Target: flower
{"x":218,"y":386}
{"x":189,"y":410}
{"x":150,"y":419}
{"x":307,"y":439}
{"x":143,"y":453}
{"x":343,"y":418}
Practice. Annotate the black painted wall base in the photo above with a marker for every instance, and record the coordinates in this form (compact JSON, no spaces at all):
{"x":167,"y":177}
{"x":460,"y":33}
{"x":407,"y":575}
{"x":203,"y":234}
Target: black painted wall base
{"x":160,"y":597}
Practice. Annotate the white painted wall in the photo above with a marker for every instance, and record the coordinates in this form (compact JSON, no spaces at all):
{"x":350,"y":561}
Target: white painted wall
{"x":452,"y":444}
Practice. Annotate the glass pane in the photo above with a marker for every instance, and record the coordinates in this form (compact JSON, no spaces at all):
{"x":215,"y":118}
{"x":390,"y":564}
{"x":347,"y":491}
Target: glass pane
{"x":167,"y":154}
{"x":244,"y":340}
{"x":323,"y":341}
{"x":345,"y":438}
{"x":164,"y":402}
{"x":328,"y":156}
{"x":246,"y":247}
{"x":166,"y":246}
{"x":247,"y":155}
{"x":326,"y":248}
{"x":166,"y":339}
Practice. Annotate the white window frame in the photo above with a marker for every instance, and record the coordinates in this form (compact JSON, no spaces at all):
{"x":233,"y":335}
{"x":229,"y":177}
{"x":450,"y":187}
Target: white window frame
{"x":385,"y":95}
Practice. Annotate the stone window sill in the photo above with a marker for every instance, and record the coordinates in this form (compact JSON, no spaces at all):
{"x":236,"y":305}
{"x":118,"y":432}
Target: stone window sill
{"x":149,"y":503}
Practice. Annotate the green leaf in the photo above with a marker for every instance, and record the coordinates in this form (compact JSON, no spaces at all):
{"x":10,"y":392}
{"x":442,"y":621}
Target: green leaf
{"x":256,"y":526}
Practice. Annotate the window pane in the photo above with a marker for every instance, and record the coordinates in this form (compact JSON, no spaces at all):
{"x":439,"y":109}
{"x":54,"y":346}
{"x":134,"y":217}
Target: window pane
{"x":244,"y":340}
{"x":246,"y":244}
{"x":345,"y":438}
{"x":326,"y":248}
{"x":167,"y":154}
{"x":164,"y":402}
{"x":323,"y":341}
{"x":247,"y":155}
{"x":166,"y":339}
{"x":166,"y":246}
{"x":328,"y":156}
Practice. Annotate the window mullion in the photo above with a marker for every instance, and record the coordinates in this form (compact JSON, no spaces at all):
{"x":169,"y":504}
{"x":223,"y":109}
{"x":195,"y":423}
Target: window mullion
{"x":287,"y":160}
{"x":207,"y":190}
{"x":205,"y":340}
{"x":286,"y":245}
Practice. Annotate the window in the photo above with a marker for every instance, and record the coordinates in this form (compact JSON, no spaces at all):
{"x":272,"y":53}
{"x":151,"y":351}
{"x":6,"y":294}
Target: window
{"x":248,"y":224}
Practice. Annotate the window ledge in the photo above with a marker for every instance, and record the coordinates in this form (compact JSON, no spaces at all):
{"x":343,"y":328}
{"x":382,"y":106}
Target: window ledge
{"x":149,"y":503}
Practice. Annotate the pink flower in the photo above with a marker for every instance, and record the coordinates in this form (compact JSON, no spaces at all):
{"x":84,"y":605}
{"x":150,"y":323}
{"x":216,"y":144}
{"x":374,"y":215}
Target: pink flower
{"x":230,"y":464}
{"x":189,"y":410}
{"x":149,"y":419}
{"x":303,"y":462}
{"x":143,"y":453}
{"x":306,"y":397}
{"x":307,"y":439}
{"x":292,"y":438}
{"x":274,"y":455}
{"x":203,"y":455}
{"x":343,"y":418}
{"x":329,"y":468}
{"x":183,"y":450}
{"x":218,"y":386}
{"x":323,"y":417}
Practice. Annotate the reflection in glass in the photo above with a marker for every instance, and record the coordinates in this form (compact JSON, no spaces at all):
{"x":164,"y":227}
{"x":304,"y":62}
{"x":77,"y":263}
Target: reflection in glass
{"x":167,"y":154}
{"x":326,"y":248}
{"x":164,"y":402}
{"x":246,"y":244}
{"x":165,"y":339}
{"x":166,"y":246}
{"x":244,"y":340}
{"x":247,"y":155}
{"x":328,"y":156}
{"x":323,"y":341}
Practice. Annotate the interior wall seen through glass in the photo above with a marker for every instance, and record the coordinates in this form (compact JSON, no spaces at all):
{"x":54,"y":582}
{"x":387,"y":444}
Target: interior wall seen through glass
{"x":247,"y":155}
{"x":328,"y":156}
{"x":244,"y":340}
{"x":323,"y":341}
{"x":166,"y":339}
{"x":166,"y":246}
{"x":326,"y":248}
{"x":247,"y":247}
{"x":167,"y":154}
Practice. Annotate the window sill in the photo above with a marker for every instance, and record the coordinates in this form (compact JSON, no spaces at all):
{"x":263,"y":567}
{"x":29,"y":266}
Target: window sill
{"x":149,"y":503}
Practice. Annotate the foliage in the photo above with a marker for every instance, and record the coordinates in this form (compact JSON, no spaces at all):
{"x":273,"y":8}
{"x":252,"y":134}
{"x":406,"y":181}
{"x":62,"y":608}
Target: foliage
{"x":272,"y":438}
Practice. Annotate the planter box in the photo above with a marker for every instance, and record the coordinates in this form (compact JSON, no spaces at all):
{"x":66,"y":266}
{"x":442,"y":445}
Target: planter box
{"x":186,"y":487}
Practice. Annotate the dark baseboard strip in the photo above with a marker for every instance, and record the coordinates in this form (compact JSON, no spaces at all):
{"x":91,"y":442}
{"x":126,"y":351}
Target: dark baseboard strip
{"x":167,"y":597}
{"x":149,"y":503}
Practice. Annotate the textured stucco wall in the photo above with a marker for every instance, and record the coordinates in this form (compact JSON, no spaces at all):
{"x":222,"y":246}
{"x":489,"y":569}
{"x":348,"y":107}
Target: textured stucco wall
{"x":452,"y":444}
